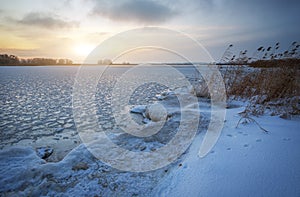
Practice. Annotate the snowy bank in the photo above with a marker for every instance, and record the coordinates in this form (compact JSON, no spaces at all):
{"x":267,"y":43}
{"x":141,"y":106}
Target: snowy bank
{"x":244,"y":162}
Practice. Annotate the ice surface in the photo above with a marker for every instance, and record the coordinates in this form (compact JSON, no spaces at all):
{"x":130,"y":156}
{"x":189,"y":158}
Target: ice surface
{"x":78,"y":174}
{"x":36,"y":111}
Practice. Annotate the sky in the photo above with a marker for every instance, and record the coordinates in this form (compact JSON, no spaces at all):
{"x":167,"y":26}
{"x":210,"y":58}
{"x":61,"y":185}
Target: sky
{"x":73,"y":28}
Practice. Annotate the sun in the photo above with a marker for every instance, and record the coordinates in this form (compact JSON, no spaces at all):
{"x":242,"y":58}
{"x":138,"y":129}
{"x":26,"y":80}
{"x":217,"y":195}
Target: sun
{"x":83,"y":49}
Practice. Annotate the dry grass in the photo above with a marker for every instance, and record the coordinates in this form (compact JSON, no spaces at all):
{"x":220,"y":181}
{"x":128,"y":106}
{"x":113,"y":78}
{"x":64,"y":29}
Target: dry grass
{"x":272,"y":84}
{"x":272,"y":79}
{"x":281,"y":63}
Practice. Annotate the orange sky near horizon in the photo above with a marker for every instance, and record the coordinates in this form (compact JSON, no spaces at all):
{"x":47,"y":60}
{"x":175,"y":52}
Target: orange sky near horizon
{"x":73,"y":28}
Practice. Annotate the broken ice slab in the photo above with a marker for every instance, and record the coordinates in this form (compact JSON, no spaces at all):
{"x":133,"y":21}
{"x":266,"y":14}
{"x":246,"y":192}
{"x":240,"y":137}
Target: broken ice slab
{"x":44,"y":152}
{"x":139,"y":109}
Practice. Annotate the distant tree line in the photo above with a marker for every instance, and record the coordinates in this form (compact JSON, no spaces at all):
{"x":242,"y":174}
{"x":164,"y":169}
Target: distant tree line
{"x":104,"y":62}
{"x":6,"y":59}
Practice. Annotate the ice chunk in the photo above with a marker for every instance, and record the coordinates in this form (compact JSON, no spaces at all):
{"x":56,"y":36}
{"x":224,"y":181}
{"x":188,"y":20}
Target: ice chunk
{"x":44,"y":152}
{"x":139,"y":109}
{"x":156,"y":112}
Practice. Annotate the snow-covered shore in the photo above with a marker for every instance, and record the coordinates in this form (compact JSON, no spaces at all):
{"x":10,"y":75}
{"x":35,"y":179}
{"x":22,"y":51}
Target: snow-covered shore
{"x":244,"y":162}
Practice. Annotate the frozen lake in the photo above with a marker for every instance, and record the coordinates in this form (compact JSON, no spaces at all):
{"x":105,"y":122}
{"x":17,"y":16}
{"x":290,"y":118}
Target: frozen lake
{"x":36,"y":110}
{"x":36,"y":104}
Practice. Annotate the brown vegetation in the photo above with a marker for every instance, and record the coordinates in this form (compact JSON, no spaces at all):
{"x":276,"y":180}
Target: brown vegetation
{"x":278,"y":63}
{"x":271,"y":84}
{"x":273,"y":79}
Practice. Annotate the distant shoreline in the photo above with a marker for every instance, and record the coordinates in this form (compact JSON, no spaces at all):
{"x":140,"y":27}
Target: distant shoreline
{"x":12,"y":65}
{"x":120,"y":64}
{"x":258,"y":63}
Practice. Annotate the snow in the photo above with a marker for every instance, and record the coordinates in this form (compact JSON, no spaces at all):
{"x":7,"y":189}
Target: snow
{"x":156,"y":112}
{"x":244,"y":162}
{"x":78,"y":174}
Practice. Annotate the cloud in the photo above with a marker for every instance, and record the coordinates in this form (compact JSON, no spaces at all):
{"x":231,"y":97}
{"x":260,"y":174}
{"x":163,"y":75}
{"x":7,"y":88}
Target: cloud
{"x":262,"y":10}
{"x":19,"y":52}
{"x":46,"y":21}
{"x":145,"y":12}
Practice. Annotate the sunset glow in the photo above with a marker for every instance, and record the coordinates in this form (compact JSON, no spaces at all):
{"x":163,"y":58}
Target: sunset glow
{"x":83,"y":49}
{"x":71,"y":28}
